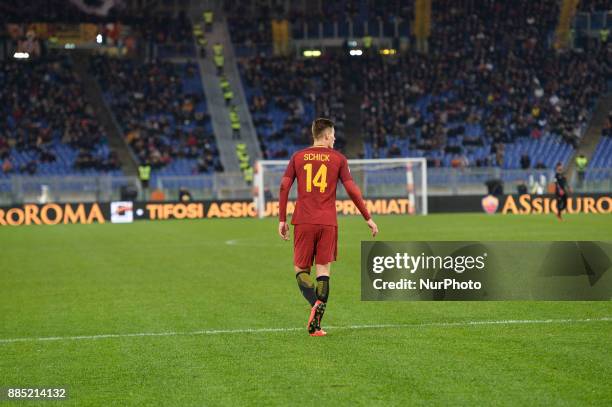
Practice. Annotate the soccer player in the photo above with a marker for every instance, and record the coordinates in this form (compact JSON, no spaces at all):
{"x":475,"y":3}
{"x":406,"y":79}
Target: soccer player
{"x":317,"y":169}
{"x":561,"y":190}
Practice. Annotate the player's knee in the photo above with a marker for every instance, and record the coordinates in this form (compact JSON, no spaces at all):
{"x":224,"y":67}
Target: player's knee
{"x":299,"y":269}
{"x":323,"y":269}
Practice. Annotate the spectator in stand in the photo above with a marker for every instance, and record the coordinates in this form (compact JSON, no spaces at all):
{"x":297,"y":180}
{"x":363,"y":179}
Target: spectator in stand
{"x":7,"y":166}
{"x":30,"y":167}
{"x":4,"y":148}
{"x":394,"y":151}
{"x":525,"y":162}
{"x":184,"y":195}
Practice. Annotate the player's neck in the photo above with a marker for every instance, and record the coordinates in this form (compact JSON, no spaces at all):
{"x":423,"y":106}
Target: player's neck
{"x":320,"y":145}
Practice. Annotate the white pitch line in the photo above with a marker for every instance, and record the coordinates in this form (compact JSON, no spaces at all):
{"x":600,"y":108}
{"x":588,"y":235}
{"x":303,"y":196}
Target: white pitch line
{"x":346,"y":327}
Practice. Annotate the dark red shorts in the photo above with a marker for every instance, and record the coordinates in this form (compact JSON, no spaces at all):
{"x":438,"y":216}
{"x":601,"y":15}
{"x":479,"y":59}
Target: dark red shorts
{"x":312,"y":242}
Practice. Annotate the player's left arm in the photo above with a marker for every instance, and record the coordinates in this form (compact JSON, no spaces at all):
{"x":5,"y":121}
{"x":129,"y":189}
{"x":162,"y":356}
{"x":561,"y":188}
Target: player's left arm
{"x":355,"y":193}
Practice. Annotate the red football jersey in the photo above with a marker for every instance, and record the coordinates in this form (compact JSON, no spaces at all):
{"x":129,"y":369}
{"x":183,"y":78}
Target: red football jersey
{"x":317,"y":170}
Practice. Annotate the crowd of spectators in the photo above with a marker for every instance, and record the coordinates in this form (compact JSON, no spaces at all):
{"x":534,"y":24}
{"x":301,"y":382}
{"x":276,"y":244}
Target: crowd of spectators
{"x":490,"y":77}
{"x":285,"y":94}
{"x":250,"y":21}
{"x":353,"y":10}
{"x":162,"y":120}
{"x":163,"y":28}
{"x":44,"y":111}
{"x":249,"y":24}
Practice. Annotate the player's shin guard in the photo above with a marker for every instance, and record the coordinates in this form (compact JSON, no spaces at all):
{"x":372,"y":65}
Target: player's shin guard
{"x":322,"y":288}
{"x":306,"y":286}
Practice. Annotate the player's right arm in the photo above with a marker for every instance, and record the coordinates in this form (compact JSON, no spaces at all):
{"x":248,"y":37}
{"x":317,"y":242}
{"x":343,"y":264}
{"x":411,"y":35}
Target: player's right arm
{"x":283,"y":197}
{"x":355,"y":193}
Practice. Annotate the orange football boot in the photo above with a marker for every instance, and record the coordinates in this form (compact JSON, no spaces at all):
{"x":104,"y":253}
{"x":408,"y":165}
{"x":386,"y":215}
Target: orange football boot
{"x":319,"y":332}
{"x":314,"y":321}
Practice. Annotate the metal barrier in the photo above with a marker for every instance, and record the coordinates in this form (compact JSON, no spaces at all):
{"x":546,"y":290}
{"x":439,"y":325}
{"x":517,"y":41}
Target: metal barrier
{"x":441,"y":181}
{"x":25,"y":189}
{"x":349,"y":28}
{"x":594,"y":179}
{"x":215,"y":186}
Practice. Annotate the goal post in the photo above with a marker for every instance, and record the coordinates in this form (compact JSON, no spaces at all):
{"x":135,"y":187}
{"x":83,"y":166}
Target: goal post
{"x":384,"y":178}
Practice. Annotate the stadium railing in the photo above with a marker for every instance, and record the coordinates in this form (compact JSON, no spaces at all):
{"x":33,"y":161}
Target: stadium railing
{"x":595,"y":179}
{"x":350,"y":28}
{"x":213,"y":186}
{"x":25,"y":189}
{"x":441,"y":181}
{"x":473,"y":180}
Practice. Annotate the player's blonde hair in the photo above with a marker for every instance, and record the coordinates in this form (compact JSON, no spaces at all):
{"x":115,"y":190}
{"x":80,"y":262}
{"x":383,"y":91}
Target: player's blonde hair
{"x":320,"y":126}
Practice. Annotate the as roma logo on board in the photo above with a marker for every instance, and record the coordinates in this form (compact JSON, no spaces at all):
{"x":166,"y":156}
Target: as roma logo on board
{"x":490,"y":204}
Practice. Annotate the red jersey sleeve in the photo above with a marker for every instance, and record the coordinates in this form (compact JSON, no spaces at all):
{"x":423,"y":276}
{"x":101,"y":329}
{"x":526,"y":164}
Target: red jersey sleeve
{"x":285,"y":187}
{"x":345,"y":173}
{"x":352,"y":189}
{"x":290,"y":171}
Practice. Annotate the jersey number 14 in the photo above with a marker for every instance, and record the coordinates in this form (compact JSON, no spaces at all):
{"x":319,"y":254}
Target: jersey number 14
{"x":320,"y":178}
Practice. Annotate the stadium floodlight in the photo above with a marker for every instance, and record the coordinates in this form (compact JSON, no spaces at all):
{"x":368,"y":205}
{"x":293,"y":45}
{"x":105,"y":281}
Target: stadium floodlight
{"x":355,"y":52}
{"x":312,"y":53}
{"x":385,"y":178}
{"x":21,"y":55}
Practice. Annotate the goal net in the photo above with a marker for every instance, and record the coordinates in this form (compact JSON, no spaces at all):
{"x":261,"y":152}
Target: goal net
{"x":393,"y":185}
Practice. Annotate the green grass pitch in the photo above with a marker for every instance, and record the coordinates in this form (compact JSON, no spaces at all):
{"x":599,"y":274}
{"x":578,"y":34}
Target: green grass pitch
{"x":179,"y":277}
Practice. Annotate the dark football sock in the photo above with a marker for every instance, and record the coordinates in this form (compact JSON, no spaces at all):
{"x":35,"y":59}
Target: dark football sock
{"x":306,"y":286}
{"x":322,"y":288}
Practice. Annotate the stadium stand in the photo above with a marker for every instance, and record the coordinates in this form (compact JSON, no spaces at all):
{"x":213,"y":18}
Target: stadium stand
{"x":602,"y":156}
{"x":285,"y":94}
{"x":478,"y":98}
{"x":164,"y":28}
{"x":162,"y":110}
{"x":171,"y":35}
{"x":335,"y":18}
{"x":251,"y":32}
{"x":594,"y":5}
{"x":164,"y":33}
{"x":47,"y":126}
{"x":249,"y":29}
